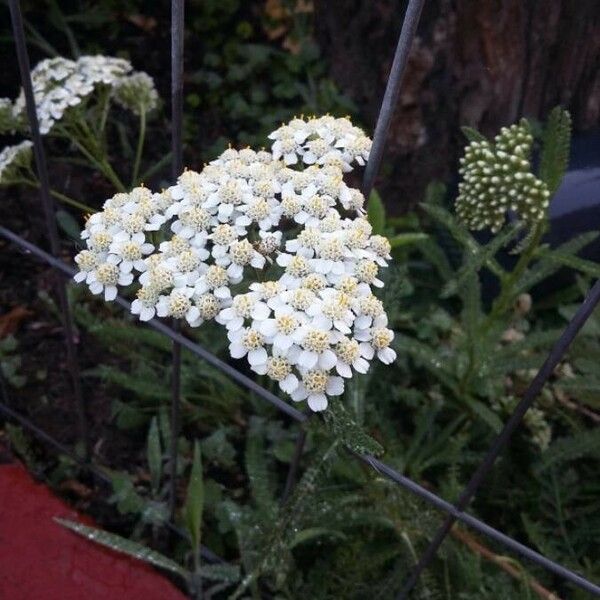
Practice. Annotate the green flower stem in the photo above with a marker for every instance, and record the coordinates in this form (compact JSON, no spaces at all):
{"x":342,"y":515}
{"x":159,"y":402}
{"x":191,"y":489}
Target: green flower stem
{"x":89,"y":148}
{"x":505,"y":299}
{"x":85,"y":208}
{"x":140,"y":147}
{"x":503,"y":302}
{"x":100,"y":155}
{"x":104,"y":113}
{"x":61,"y":197}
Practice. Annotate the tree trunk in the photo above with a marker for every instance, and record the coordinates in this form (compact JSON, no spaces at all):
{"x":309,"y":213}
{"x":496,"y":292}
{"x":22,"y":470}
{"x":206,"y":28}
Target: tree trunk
{"x":482,"y":63}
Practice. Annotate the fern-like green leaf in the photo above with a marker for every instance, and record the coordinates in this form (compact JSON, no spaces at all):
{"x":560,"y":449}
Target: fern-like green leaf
{"x":123,"y":545}
{"x":460,"y":233}
{"x":564,"y":450}
{"x":546,"y":265}
{"x":475,"y":260}
{"x":472,"y":134}
{"x":257,"y":469}
{"x":555,"y":148}
{"x":352,"y":435}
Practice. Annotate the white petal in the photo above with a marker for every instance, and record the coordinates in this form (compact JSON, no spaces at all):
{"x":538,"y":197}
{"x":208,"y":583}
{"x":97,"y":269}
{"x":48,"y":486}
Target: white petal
{"x":300,"y":393}
{"x":147,"y":313}
{"x":308,"y":359}
{"x":192,"y":315}
{"x":343,"y":369}
{"x":362,"y":322}
{"x":283,"y":342}
{"x":367,"y":351}
{"x":335,"y":386}
{"x":289,"y":384}
{"x":258,"y":356}
{"x":110,"y":292}
{"x":327,"y":360}
{"x":322,"y":322}
{"x":268,"y":327}
{"x":237,"y":350}
{"x":95,"y":287}
{"x":260,"y":368}
{"x":222,"y":292}
{"x":260,"y":311}
{"x":386,"y":356}
{"x":317,"y":402}
{"x":361,"y":365}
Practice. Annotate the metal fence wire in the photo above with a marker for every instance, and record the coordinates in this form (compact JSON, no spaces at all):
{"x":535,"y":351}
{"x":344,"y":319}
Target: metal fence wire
{"x":454,"y":512}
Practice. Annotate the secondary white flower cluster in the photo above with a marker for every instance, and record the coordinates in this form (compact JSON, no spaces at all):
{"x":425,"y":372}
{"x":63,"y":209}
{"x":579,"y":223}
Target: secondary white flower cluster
{"x":60,"y":84}
{"x":312,"y":319}
{"x":12,"y":158}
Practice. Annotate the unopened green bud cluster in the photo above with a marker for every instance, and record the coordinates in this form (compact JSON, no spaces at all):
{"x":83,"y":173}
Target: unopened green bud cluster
{"x":497,"y":178}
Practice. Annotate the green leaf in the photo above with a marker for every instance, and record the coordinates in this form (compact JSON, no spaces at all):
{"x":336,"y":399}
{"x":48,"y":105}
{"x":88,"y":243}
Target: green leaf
{"x":435,"y":192}
{"x":473,"y":135}
{"x":307,"y":535}
{"x":68,"y":224}
{"x":574,"y":262}
{"x":556,"y":144}
{"x":567,"y":449}
{"x":547,"y":264}
{"x":125,"y":495}
{"x":257,"y":468}
{"x":475,"y":260}
{"x":460,"y":233}
{"x":194,"y":501}
{"x":123,"y":545}
{"x":404,"y":239}
{"x":340,"y":423}
{"x":154,"y":455}
{"x":376,"y":213}
{"x":486,"y":414}
{"x":220,"y":572}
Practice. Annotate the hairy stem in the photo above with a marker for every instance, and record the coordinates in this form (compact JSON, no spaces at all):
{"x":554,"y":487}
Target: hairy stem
{"x":140,"y":146}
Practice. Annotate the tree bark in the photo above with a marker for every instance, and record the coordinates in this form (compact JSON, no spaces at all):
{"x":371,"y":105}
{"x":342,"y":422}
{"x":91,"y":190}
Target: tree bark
{"x":483,"y":63}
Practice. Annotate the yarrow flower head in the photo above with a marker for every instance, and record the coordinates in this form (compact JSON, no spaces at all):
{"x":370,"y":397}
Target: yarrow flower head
{"x":14,"y":158}
{"x":314,"y":322}
{"x":136,"y":92}
{"x":497,"y":178}
{"x":60,"y":84}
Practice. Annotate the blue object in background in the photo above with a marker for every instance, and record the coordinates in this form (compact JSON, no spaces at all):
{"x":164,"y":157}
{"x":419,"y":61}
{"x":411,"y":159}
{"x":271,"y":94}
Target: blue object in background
{"x":575,"y":208}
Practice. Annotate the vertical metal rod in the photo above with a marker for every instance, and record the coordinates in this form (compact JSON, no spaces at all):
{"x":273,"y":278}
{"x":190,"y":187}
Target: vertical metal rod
{"x":177,"y":25}
{"x":49,"y":214}
{"x":392,"y":90}
{"x":535,"y":387}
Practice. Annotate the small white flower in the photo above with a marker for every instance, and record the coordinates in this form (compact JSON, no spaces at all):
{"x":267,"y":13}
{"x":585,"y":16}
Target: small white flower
{"x":315,"y":386}
{"x":178,"y":304}
{"x":244,"y":306}
{"x":106,"y":277}
{"x":248,"y":342}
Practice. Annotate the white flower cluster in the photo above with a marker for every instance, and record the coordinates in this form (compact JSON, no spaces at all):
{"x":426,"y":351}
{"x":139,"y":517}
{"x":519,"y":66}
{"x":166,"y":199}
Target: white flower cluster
{"x":60,"y":83}
{"x":12,"y":158}
{"x":314,"y":319}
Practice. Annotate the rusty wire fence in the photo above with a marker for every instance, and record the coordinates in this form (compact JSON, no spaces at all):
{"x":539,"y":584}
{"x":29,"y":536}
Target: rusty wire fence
{"x":454,"y":512}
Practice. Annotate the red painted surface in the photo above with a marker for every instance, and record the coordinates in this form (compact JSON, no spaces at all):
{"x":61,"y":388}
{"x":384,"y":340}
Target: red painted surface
{"x":40,"y":560}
